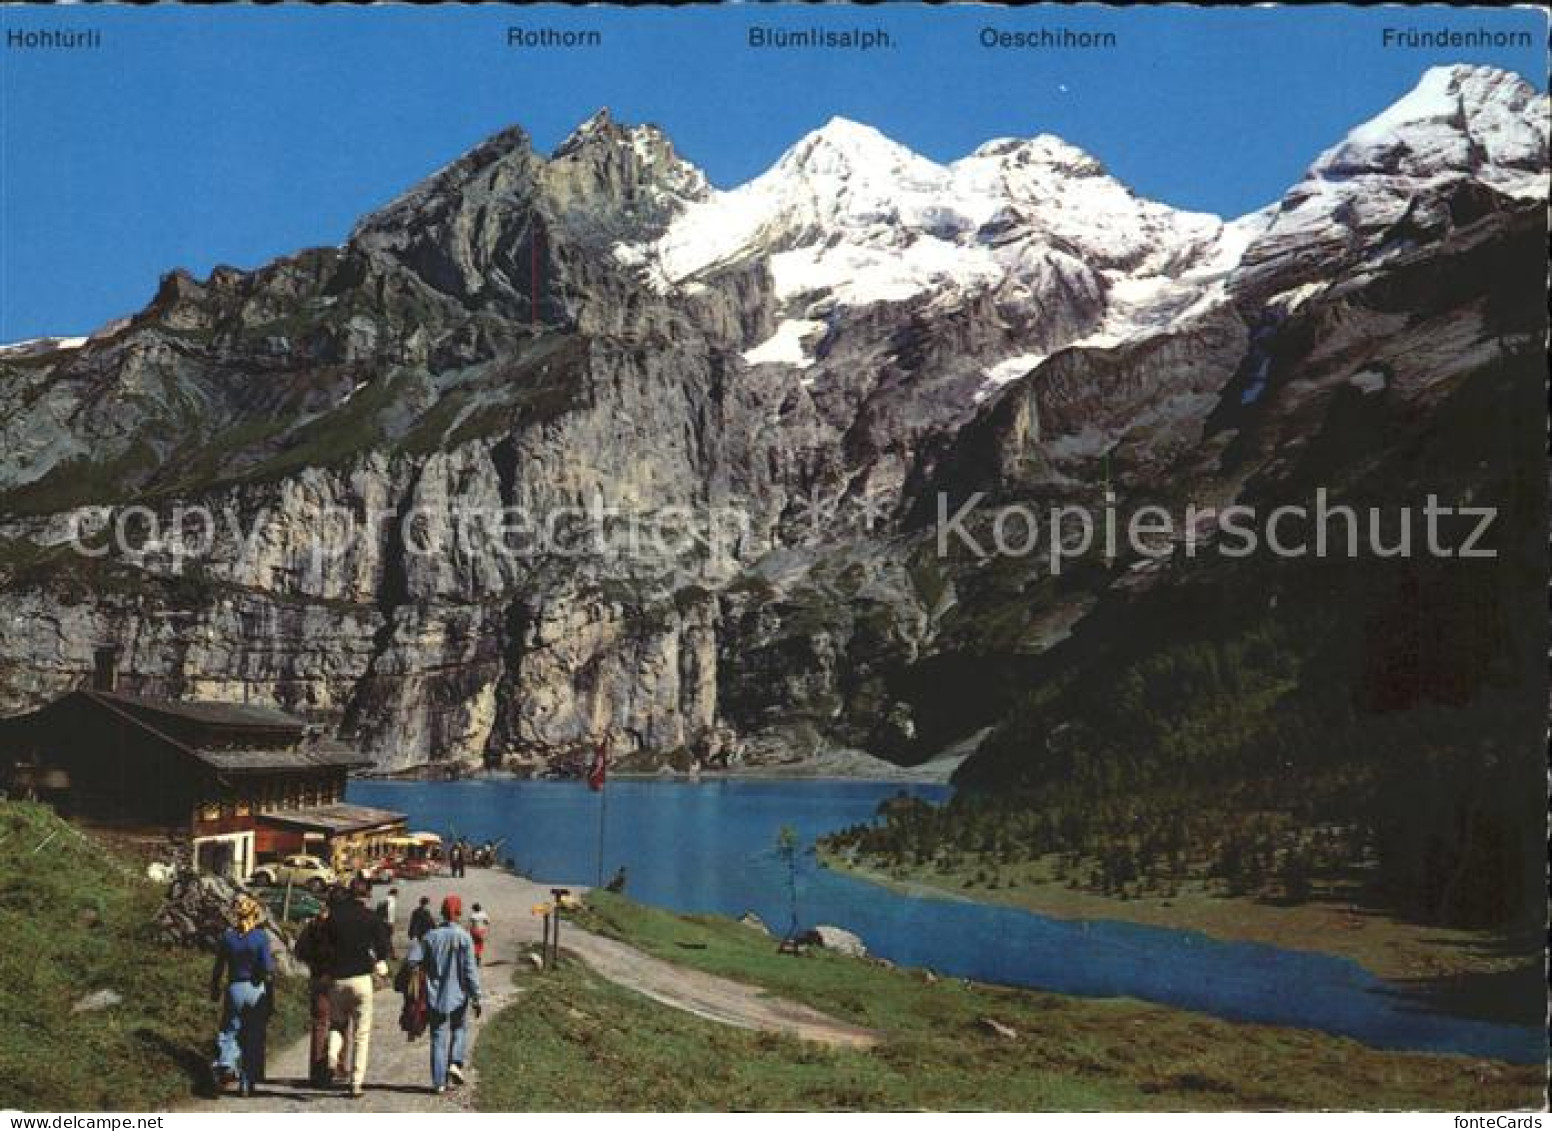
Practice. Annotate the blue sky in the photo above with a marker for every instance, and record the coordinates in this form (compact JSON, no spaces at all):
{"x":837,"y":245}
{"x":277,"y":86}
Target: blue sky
{"x":196,"y":137}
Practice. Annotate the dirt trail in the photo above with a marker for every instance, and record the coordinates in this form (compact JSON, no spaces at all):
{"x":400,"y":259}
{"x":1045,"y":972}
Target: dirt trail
{"x":399,"y":1075}
{"x":710,"y":996}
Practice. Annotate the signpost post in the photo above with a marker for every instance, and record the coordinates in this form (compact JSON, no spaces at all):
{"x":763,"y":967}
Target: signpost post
{"x":561,"y":896}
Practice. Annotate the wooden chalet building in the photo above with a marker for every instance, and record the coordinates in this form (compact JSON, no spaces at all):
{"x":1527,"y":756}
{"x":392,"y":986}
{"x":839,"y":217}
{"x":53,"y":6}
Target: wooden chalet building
{"x":242,"y":784}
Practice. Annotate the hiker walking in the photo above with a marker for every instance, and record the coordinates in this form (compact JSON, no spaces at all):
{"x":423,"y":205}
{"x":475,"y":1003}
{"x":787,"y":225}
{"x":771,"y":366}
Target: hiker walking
{"x":421,"y":919}
{"x":312,"y":947}
{"x":358,"y":941}
{"x":452,"y":980}
{"x":244,"y":959}
{"x":479,"y":931}
{"x":388,"y":911}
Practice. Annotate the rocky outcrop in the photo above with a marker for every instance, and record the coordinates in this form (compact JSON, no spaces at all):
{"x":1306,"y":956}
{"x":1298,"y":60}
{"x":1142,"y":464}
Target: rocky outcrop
{"x":197,"y":909}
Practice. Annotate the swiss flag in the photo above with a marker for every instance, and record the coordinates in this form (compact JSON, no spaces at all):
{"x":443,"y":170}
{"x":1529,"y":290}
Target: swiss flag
{"x":599,"y":769}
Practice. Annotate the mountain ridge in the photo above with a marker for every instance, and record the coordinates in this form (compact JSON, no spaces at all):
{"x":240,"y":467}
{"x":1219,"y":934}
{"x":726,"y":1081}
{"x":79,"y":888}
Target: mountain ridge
{"x":1002,"y":341}
{"x":1516,"y":115}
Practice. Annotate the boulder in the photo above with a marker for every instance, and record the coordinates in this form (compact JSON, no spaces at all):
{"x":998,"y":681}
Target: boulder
{"x":835,"y":939}
{"x":96,"y":1001}
{"x":753,"y":922}
{"x":198,"y":908}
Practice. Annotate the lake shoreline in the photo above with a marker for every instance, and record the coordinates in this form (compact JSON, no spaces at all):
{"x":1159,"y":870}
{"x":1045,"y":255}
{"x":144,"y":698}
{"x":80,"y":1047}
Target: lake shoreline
{"x":1045,"y":1051}
{"x":778,"y":772}
{"x":1399,"y":952}
{"x":837,"y":765}
{"x":714,"y":851}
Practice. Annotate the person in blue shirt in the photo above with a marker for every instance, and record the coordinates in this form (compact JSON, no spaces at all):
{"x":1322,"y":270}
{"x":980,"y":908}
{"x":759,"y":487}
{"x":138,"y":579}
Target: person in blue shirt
{"x":446,"y":956}
{"x":245,"y":961}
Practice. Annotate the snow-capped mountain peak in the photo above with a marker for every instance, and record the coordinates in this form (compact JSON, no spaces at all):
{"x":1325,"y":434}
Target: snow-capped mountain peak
{"x":1458,"y":123}
{"x":656,"y":166}
{"x":851,"y":216}
{"x":1456,"y":118}
{"x":843,"y":184}
{"x":600,"y":122}
{"x":842,"y":147}
{"x":1045,"y":150}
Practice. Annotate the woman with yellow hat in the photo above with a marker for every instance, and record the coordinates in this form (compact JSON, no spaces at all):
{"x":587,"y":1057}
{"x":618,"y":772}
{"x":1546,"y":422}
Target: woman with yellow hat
{"x":245,"y":961}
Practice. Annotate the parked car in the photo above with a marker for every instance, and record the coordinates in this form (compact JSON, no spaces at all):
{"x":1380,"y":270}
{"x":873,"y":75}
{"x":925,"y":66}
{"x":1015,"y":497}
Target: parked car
{"x":416,"y":856}
{"x":410,"y":869}
{"x":301,"y":871}
{"x":299,"y":908}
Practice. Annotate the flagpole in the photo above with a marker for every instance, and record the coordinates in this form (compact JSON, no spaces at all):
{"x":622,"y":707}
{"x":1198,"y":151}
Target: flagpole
{"x":603,"y":811}
{"x":602,"y":815}
{"x":602,"y":770}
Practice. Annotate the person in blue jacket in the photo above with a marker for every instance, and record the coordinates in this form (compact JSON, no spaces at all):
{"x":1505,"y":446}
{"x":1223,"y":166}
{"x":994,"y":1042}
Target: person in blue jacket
{"x":247,"y":965}
{"x":446,"y":955}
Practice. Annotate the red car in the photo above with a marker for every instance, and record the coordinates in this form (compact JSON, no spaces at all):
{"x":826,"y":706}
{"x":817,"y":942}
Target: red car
{"x":413,"y":869}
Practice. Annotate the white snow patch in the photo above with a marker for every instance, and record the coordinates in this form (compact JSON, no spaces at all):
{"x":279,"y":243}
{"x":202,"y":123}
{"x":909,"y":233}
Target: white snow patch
{"x":787,"y":345}
{"x":43,"y":345}
{"x":1368,"y":381}
{"x":1433,"y":98}
{"x":858,"y":275}
{"x":1005,"y":372}
{"x":630,"y":255}
{"x":1237,"y":236}
{"x":1290,"y":300}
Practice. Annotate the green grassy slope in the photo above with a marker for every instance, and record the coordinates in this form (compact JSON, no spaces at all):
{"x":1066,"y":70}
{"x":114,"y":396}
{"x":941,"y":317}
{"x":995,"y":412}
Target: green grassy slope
{"x":73,"y":920}
{"x":574,"y":1041}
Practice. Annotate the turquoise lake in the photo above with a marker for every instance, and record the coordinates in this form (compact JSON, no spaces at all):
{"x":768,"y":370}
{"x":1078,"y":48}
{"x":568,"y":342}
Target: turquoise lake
{"x":710,"y":847}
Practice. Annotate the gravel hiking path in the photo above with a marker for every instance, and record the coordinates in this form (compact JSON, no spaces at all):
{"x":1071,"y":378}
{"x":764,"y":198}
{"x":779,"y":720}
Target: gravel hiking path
{"x":399,"y":1075}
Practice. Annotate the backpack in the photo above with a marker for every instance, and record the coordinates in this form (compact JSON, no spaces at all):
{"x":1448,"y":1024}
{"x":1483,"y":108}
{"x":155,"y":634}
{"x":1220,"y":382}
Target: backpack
{"x":416,"y":1015}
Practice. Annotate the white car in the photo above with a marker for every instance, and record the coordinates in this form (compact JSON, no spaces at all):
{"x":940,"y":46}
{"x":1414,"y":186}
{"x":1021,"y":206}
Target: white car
{"x":303,"y":871}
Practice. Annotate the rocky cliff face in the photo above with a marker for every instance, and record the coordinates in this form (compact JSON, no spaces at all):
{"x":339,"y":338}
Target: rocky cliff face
{"x":559,"y":446}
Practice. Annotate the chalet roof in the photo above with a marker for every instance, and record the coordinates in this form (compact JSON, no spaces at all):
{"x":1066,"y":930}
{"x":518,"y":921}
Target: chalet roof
{"x":335,"y":819}
{"x":298,"y":754}
{"x":206,"y":712}
{"x":308,"y":757}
